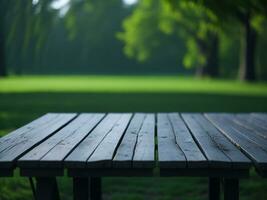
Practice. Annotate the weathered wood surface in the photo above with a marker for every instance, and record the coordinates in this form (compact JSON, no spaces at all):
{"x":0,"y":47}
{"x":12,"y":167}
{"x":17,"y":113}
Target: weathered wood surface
{"x":144,"y":155}
{"x":170,"y":154}
{"x":242,"y":138}
{"x":183,"y":137}
{"x":52,"y":151}
{"x":251,"y":123}
{"x":22,"y":140}
{"x":108,"y":143}
{"x":79,"y":156}
{"x":105,"y":151}
{"x":220,"y":152}
{"x":125,"y":152}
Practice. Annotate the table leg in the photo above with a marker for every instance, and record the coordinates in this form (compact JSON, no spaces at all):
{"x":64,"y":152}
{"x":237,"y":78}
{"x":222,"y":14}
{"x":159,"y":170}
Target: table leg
{"x":33,"y":187}
{"x":80,"y":188}
{"x":46,"y":188}
{"x":87,"y":188}
{"x":95,"y":188}
{"x":231,"y":189}
{"x":214,"y":188}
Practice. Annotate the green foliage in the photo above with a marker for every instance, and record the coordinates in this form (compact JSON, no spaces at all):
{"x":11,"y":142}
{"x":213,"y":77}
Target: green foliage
{"x":160,"y":36}
{"x":142,"y":34}
{"x":193,"y":57}
{"x":151,"y":20}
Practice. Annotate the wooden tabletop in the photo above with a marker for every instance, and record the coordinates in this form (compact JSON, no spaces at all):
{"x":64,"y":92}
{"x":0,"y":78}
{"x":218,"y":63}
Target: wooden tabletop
{"x":135,"y":144}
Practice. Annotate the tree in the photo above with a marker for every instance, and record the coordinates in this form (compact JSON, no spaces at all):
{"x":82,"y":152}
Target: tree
{"x":244,"y":12}
{"x":25,"y":22}
{"x":152,"y":21}
{"x":198,"y":26}
{"x":3,"y":9}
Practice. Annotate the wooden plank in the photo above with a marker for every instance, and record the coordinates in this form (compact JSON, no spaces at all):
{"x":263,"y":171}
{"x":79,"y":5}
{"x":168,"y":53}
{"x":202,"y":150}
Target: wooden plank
{"x":210,"y":148}
{"x":79,"y":156}
{"x":144,"y":155}
{"x":110,"y":172}
{"x":252,"y":119}
{"x":231,"y":189}
{"x":46,"y":188}
{"x":105,"y":151}
{"x":258,"y":119}
{"x":239,"y":160}
{"x":214,"y":188}
{"x":81,"y":188}
{"x":125,"y":151}
{"x":249,"y":133}
{"x":18,"y":134}
{"x":261,"y":116}
{"x":184,"y":139}
{"x":250,"y":148}
{"x":31,"y":139}
{"x":52,"y":151}
{"x":85,"y":188}
{"x":250,"y":123}
{"x":95,"y":188}
{"x":170,"y":154}
{"x":206,"y":172}
{"x":41,"y":172}
{"x":5,"y":172}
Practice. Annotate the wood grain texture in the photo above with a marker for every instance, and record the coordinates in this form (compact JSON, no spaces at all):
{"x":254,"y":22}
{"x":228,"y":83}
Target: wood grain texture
{"x":250,"y":133}
{"x":260,"y":116}
{"x":251,"y":123}
{"x":239,"y":160}
{"x":19,"y":133}
{"x":52,"y":151}
{"x":144,"y":155}
{"x":170,"y":154}
{"x":104,"y":153}
{"x":25,"y":142}
{"x":194,"y":156}
{"x":79,"y":156}
{"x":118,"y":144}
{"x":125,"y":152}
{"x":250,"y":148}
{"x":210,"y":141}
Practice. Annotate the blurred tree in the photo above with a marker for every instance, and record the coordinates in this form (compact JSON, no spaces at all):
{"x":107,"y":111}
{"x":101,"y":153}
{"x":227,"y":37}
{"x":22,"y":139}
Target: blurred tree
{"x":151,"y":20}
{"x":24,"y":25}
{"x":198,"y":26}
{"x":3,"y":9}
{"x":250,"y":13}
{"x":92,"y":27}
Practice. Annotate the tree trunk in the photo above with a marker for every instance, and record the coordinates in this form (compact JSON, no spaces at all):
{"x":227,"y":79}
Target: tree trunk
{"x":2,"y":49}
{"x":212,"y":64}
{"x":200,"y":71}
{"x":210,"y":50}
{"x":247,"y":64}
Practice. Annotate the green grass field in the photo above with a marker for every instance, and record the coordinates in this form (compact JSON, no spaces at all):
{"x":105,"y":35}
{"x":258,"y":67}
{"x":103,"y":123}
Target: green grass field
{"x":25,"y":98}
{"x":129,"y":84}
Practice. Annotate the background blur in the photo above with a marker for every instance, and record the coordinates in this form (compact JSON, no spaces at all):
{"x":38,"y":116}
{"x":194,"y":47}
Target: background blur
{"x":132,"y":56}
{"x":216,"y":39}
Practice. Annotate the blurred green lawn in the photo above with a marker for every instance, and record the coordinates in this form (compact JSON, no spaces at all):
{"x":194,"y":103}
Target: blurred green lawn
{"x":129,"y":84}
{"x":25,"y":98}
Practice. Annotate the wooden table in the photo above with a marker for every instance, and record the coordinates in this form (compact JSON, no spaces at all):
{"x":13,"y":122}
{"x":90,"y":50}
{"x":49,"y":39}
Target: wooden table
{"x":222,"y":147}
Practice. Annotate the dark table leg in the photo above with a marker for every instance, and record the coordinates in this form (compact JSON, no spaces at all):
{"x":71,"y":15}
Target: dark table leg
{"x":80,"y":188}
{"x":33,"y":187}
{"x":46,"y":188}
{"x":95,"y":188}
{"x":231,"y":189}
{"x":87,"y":188}
{"x":214,"y":188}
